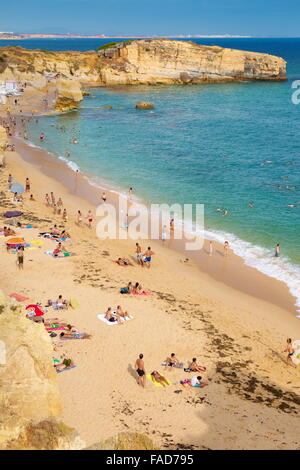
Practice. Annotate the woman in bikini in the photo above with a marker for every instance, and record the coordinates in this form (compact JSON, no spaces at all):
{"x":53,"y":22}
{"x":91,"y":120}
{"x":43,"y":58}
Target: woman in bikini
{"x":159,"y":378}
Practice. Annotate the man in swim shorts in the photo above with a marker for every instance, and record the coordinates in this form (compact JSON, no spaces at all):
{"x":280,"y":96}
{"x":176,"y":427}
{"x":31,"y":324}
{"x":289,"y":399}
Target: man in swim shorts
{"x":147,"y":256}
{"x":138,"y":254}
{"x":140,"y":369}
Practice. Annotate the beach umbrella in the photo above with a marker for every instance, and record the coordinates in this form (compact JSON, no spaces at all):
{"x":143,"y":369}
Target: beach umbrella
{"x":17,"y":188}
{"x":10,"y":214}
{"x":15,"y":242}
{"x":296,"y":355}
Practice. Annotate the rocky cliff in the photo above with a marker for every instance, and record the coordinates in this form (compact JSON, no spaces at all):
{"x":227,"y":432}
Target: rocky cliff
{"x":30,"y":404}
{"x":3,"y":143}
{"x":148,"y":61}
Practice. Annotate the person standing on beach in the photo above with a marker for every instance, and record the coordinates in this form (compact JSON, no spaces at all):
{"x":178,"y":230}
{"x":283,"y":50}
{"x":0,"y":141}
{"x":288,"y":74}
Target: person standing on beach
{"x":27,"y":185}
{"x":226,"y":248}
{"x":10,"y":180}
{"x":59,"y":205}
{"x":103,"y":197}
{"x":47,"y":200}
{"x":172,"y":225}
{"x":138,"y":254}
{"x":20,"y":257}
{"x":277,"y":250}
{"x":129,"y":194}
{"x":52,"y":199}
{"x":140,"y":369}
{"x":64,"y":216}
{"x":147,"y":256}
{"x":164,"y":234}
{"x":290,"y":350}
{"x":90,"y":218}
{"x":79,"y":218}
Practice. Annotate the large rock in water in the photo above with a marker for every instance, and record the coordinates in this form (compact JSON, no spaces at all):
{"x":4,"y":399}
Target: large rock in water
{"x":69,"y":94}
{"x":30,"y":405}
{"x":144,"y":105}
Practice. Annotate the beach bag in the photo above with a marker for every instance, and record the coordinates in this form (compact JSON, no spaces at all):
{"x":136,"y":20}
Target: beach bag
{"x":124,"y":290}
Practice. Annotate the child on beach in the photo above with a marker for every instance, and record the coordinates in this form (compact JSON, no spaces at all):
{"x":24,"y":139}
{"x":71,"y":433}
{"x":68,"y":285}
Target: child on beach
{"x":290,"y":350}
{"x":89,"y":219}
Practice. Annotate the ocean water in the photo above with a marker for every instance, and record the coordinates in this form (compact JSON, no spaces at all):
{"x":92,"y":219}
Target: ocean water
{"x":223,"y":145}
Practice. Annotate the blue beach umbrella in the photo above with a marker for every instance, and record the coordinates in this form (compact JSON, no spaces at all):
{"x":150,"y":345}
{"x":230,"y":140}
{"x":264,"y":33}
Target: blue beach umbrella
{"x":17,"y":188}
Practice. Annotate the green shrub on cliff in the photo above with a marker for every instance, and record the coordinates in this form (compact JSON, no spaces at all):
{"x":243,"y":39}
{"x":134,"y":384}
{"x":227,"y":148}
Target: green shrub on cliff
{"x":114,"y":44}
{"x":107,"y":46}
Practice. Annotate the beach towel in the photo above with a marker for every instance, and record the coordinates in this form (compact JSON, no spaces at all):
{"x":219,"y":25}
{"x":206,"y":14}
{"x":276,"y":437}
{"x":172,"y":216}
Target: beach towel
{"x":18,"y":297}
{"x":101,"y":317}
{"x":61,"y":255}
{"x":179,"y":366}
{"x":67,"y":368}
{"x":74,"y":303}
{"x":36,"y":242}
{"x":55,"y":328}
{"x":141,"y":293}
{"x":38,"y":312}
{"x":157,"y":384}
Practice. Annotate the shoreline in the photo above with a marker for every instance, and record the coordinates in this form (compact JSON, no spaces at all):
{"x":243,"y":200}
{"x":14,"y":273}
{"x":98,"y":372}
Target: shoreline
{"x":237,"y":275}
{"x":252,"y":401}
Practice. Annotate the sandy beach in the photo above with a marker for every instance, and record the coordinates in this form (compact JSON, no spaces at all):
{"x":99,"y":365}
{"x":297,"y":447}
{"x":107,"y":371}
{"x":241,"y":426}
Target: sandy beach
{"x":232,"y":318}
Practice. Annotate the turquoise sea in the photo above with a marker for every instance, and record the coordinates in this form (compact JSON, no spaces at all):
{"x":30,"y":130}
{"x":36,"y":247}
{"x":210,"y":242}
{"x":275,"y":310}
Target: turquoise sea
{"x":223,"y":145}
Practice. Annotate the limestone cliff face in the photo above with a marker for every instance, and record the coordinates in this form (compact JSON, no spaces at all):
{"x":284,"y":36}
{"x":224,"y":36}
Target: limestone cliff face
{"x":148,"y":61}
{"x":69,"y":94}
{"x":169,"y":61}
{"x":29,"y":398}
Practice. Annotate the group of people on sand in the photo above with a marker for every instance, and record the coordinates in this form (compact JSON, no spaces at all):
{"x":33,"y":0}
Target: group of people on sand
{"x":116,"y":316}
{"x":170,"y":362}
{"x":59,"y":209}
{"x":143,"y":258}
{"x":132,"y":288}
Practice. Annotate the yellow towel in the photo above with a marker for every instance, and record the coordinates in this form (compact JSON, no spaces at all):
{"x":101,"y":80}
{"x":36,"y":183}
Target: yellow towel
{"x":74,"y":303}
{"x":157,"y":384}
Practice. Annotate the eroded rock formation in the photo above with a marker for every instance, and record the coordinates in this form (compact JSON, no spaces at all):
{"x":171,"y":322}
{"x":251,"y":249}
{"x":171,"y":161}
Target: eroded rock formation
{"x":147,"y":61}
{"x":30,"y":405}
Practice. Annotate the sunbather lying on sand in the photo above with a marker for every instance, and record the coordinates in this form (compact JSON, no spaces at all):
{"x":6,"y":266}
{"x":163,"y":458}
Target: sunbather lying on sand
{"x":194,"y":367}
{"x":193,"y":382}
{"x":69,"y":334}
{"x":8,"y":232}
{"x":159,"y":378}
{"x":65,"y":364}
{"x":123,"y":261}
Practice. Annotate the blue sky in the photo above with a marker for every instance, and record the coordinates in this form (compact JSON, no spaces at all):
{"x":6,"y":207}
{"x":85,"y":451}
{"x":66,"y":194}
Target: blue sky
{"x":251,"y":17}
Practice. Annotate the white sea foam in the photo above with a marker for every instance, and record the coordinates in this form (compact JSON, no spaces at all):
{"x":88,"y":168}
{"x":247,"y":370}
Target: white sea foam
{"x":255,"y":256}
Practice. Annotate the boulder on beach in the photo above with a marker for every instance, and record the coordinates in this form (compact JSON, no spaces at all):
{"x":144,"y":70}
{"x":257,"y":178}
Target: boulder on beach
{"x":144,"y":105}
